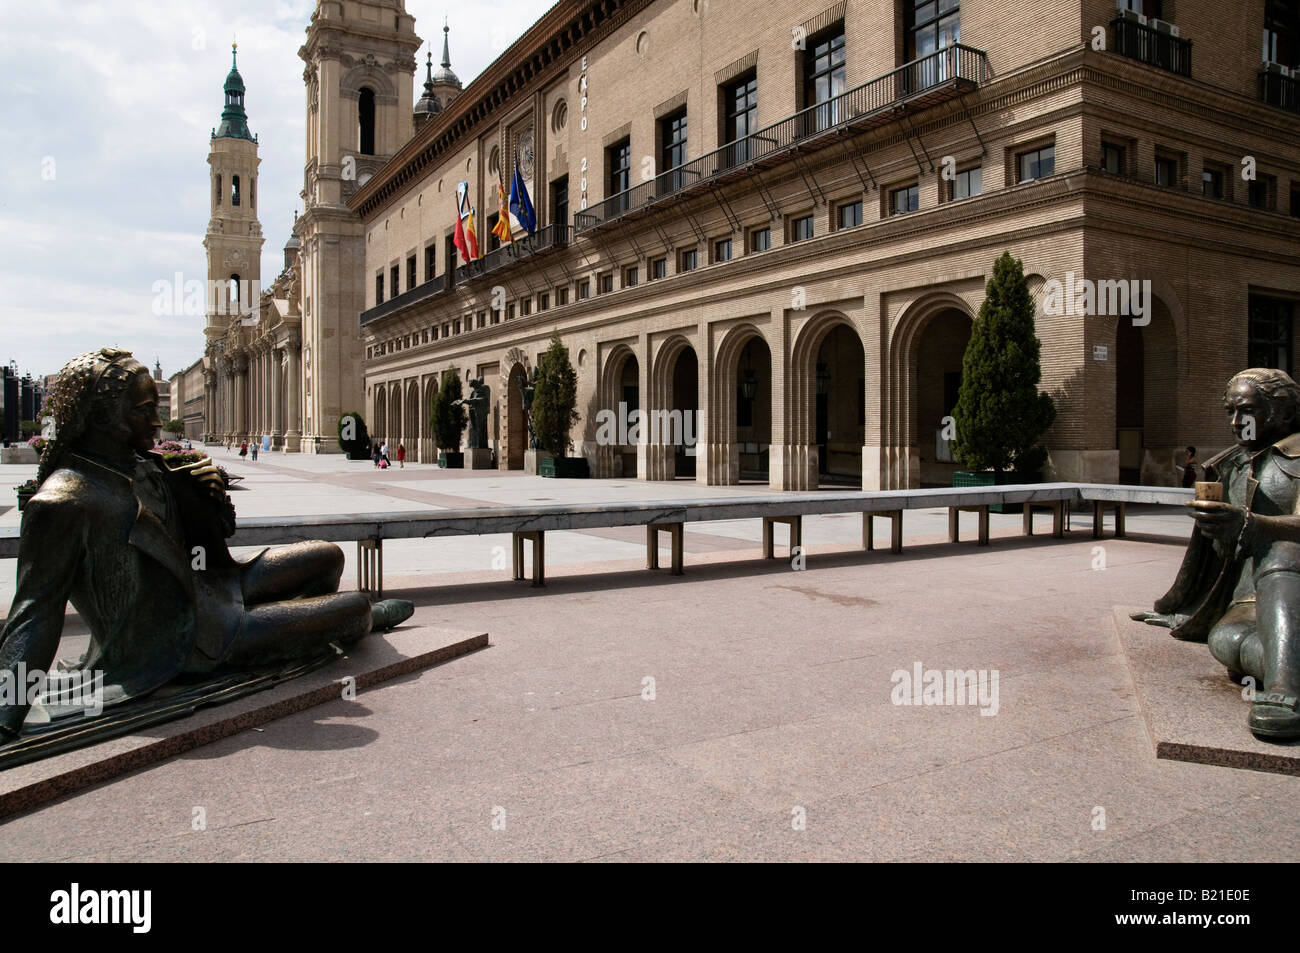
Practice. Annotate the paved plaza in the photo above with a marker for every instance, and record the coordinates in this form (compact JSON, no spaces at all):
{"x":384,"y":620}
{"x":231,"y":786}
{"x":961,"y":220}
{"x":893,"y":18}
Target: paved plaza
{"x":742,"y":711}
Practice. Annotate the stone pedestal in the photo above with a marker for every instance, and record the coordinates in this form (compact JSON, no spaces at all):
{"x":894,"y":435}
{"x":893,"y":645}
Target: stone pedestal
{"x":478,"y":460}
{"x":530,"y":462}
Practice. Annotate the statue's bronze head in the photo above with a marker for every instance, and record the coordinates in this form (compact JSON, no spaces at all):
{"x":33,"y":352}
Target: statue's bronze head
{"x":1263,"y":406}
{"x":105,"y":397}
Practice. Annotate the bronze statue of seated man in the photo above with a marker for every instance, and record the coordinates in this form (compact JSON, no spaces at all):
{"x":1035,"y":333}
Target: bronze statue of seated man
{"x":139,"y":550}
{"x":1239,"y":584}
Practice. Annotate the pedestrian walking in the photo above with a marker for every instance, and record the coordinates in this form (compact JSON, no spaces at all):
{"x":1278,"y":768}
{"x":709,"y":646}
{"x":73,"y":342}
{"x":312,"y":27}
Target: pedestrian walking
{"x":243,"y":448}
{"x":374,"y":454}
{"x":383,"y":451}
{"x":255,"y":446}
{"x":401,"y":455}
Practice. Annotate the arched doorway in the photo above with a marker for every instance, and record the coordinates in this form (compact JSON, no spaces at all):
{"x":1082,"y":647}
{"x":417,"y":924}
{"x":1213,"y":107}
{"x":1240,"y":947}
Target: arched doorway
{"x":516,"y":429}
{"x":619,"y":397}
{"x":393,"y":432}
{"x":740,"y":432}
{"x":1147,"y":397}
{"x":379,"y":419}
{"x":411,"y":430}
{"x":839,"y":408}
{"x":428,"y":453}
{"x":935,"y":382}
{"x":669,"y":431}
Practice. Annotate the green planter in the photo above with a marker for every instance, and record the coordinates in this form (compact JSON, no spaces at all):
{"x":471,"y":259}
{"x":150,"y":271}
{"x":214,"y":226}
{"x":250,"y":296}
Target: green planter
{"x":989,"y":478}
{"x":451,"y":461}
{"x":570,"y":467}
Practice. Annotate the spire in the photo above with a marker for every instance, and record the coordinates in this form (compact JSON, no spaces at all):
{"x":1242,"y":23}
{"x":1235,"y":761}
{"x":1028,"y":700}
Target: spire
{"x":429,"y":105}
{"x":234,"y":121}
{"x":445,"y":76}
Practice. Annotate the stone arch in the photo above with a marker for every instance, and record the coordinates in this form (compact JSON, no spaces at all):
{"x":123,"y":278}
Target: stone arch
{"x":899,"y":431}
{"x":724,"y":455}
{"x":393,"y":431}
{"x":614,"y":459}
{"x":799,"y":464}
{"x":669,"y":393}
{"x":428,"y":452}
{"x":366,"y":75}
{"x":411,"y":428}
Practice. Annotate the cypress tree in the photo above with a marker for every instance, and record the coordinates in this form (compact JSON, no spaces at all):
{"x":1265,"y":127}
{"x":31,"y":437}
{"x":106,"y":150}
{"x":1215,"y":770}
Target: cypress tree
{"x":446,"y":418}
{"x":1001,"y":415}
{"x":555,"y":399}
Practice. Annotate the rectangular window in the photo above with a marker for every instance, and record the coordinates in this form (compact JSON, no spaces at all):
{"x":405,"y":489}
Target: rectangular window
{"x":560,"y":201}
{"x":584,"y":289}
{"x":544,"y":301}
{"x":449,"y":256}
{"x":510,"y":311}
{"x":618,"y":160}
{"x":1212,"y":182}
{"x":493,"y":241}
{"x":1260,"y":192}
{"x":929,"y":27}
{"x":631,"y":275}
{"x":496,"y":316}
{"x":760,"y":239}
{"x":394,"y":283}
{"x":434,"y":333}
{"x":1166,"y":172}
{"x":1037,"y":163}
{"x":824,"y":79}
{"x":801,"y":228}
{"x":968,"y":183}
{"x":482,"y":319}
{"x":379,"y":288}
{"x":1113,"y":158}
{"x":605,"y":283}
{"x":1295,"y":202}
{"x":561,"y":296}
{"x":849,"y":214}
{"x":689,"y":261}
{"x":430,"y":258}
{"x":410,"y":272}
{"x":740,"y":111}
{"x":904,"y":200}
{"x":525,"y":307}
{"x":722,"y":250}
{"x":658,"y":268}
{"x":672,"y":153}
{"x":1269,"y":343}
{"x":455,"y":326}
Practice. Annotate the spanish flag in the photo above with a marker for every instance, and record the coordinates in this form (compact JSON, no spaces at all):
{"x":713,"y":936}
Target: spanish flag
{"x":502,"y":228}
{"x":470,"y":234}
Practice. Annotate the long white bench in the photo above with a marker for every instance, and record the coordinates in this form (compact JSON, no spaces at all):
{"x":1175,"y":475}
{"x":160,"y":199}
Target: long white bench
{"x":529,"y":524}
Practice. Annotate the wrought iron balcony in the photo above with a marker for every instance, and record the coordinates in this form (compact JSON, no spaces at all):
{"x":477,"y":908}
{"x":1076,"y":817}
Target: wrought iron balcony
{"x":407,"y":298}
{"x":939,"y":76}
{"x":545,"y":239}
{"x":1152,"y":46}
{"x":1278,"y":89}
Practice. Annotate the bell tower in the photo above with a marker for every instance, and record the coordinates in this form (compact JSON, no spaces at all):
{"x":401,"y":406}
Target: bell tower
{"x":234,"y":238}
{"x":359,"y":76}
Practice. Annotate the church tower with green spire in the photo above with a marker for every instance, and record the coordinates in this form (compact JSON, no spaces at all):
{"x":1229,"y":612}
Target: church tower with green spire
{"x":234,"y":251}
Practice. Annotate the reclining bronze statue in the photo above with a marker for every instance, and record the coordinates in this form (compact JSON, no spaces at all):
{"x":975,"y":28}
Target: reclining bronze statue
{"x":139,"y":550}
{"x":1238,"y":588}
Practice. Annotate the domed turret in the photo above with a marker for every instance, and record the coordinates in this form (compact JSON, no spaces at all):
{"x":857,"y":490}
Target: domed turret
{"x":234,"y":121}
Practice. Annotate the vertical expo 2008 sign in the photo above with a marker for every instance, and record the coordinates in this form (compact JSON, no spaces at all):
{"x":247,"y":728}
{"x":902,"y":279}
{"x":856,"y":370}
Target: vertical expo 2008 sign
{"x":582,"y":126}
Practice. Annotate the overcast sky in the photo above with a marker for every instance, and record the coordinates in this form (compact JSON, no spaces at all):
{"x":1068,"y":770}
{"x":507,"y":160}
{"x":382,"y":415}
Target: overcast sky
{"x":108,"y":108}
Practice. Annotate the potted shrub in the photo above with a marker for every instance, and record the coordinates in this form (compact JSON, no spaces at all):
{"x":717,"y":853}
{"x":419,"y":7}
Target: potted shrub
{"x":354,"y":438}
{"x":448,"y":421}
{"x":1001,"y":415}
{"x":554,"y":412}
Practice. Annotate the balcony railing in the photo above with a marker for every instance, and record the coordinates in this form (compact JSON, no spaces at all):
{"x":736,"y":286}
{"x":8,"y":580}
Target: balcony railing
{"x":545,"y":239}
{"x":1154,"y":47}
{"x":406,"y":298}
{"x":1279,"y":90}
{"x":919,"y":84}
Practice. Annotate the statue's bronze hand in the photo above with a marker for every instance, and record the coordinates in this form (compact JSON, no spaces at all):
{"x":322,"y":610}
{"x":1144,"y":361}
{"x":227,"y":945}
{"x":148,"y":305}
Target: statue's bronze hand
{"x":1221,"y":521}
{"x":207,"y":474}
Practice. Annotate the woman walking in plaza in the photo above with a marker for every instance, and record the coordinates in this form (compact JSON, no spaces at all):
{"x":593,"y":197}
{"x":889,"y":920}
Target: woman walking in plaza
{"x":401,"y":455}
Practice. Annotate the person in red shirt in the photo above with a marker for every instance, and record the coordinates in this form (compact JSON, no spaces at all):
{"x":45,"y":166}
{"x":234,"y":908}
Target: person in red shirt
{"x":401,"y":455}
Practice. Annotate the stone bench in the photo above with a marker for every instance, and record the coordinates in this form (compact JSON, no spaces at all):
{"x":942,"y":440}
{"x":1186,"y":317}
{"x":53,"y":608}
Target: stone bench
{"x":529,"y":524}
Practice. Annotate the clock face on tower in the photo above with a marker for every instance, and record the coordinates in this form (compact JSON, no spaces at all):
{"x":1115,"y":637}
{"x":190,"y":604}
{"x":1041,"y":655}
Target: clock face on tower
{"x":526,"y":154}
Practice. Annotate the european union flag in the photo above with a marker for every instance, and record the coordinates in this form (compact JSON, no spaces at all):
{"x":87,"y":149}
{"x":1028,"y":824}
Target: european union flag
{"x":521,"y":206}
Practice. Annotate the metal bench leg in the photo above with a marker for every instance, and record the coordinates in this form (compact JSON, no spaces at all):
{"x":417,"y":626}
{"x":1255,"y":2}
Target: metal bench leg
{"x":1058,"y":519}
{"x":767,"y":537}
{"x":896,"y":531}
{"x":953,"y":524}
{"x":517,"y":552}
{"x":796,"y":533}
{"x":984,"y":526}
{"x":370,"y":567}
{"x":1119,"y":520}
{"x":868,"y":531}
{"x":675,"y":532}
{"x":539,"y":558}
{"x":651,"y":546}
{"x":1027,"y":522}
